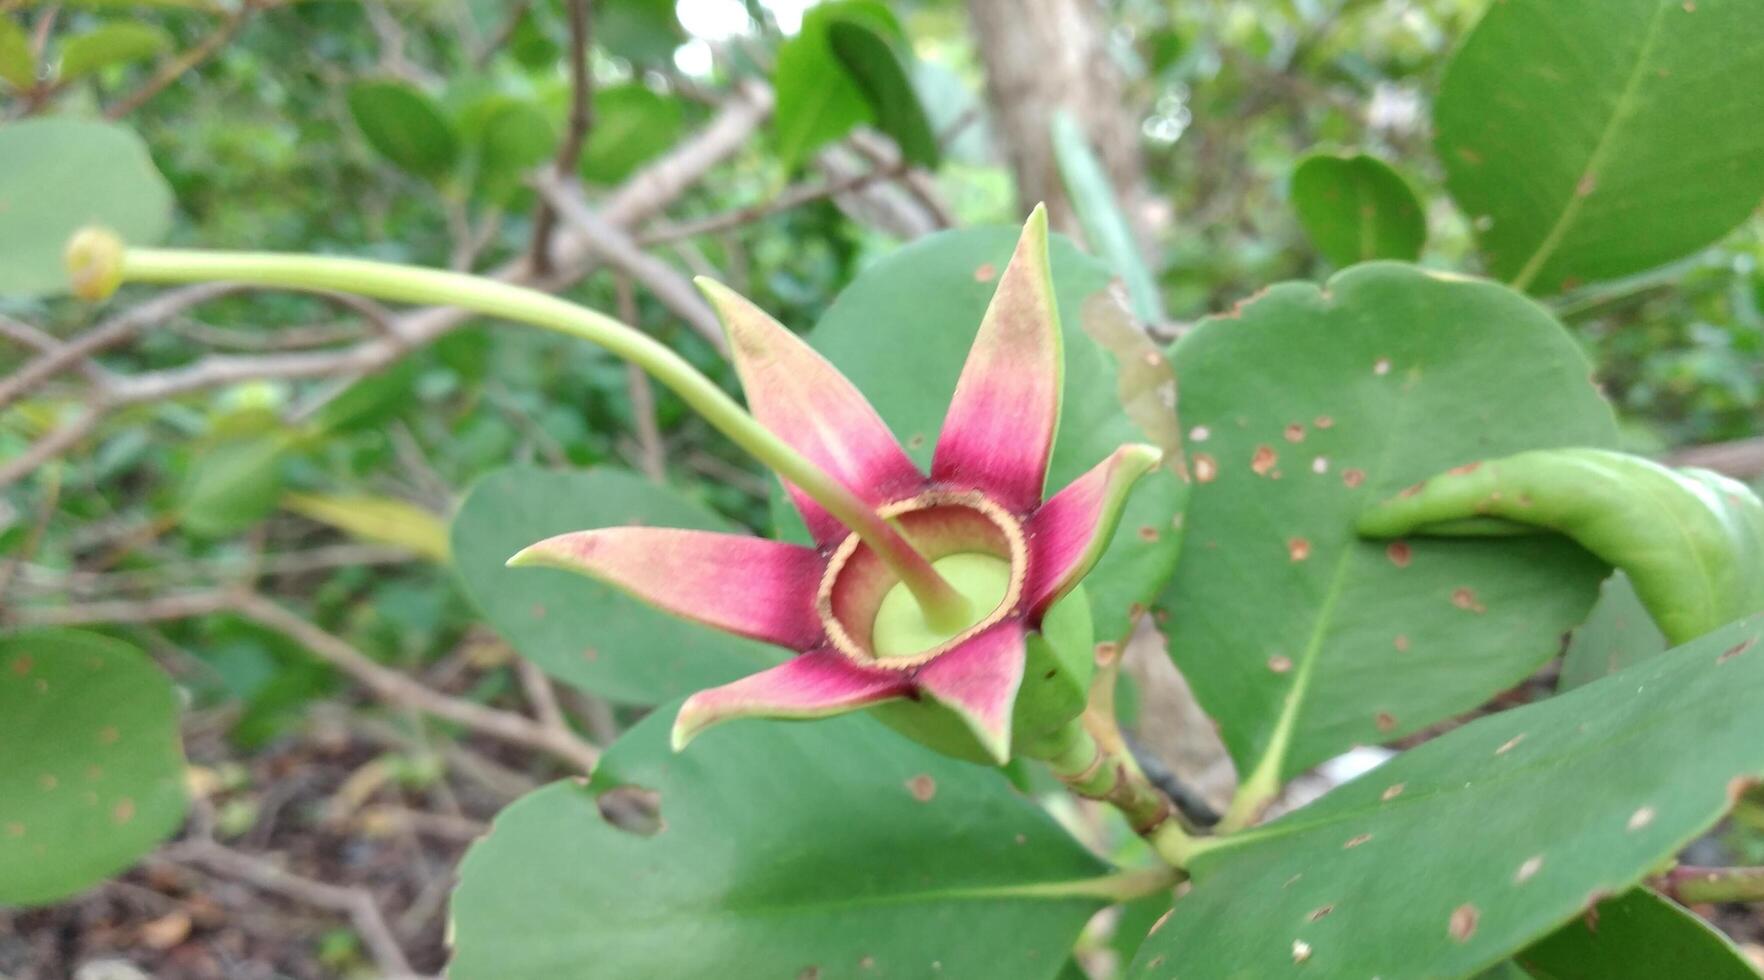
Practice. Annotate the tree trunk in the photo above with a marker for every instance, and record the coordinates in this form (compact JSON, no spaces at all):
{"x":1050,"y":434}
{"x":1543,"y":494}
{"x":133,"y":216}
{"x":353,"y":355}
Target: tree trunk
{"x":1042,"y":56}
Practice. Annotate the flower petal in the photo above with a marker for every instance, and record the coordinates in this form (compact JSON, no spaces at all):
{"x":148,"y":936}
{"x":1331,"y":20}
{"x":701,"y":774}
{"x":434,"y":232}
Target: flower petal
{"x":1070,"y":532}
{"x":1000,"y":428}
{"x":816,"y":684}
{"x":800,"y":396}
{"x":741,"y":584}
{"x":978,"y":680}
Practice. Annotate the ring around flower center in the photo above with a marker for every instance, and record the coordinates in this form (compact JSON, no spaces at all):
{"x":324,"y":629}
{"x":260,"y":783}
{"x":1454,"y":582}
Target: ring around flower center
{"x":974,"y":543}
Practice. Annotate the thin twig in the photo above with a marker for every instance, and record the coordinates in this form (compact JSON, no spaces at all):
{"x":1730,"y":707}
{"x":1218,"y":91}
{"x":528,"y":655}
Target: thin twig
{"x":1695,"y":886}
{"x":356,"y":903}
{"x":581,"y":120}
{"x":650,"y":454}
{"x":189,"y":60}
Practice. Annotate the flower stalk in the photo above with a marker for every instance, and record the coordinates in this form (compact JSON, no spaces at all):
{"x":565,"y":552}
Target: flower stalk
{"x":99,"y":263}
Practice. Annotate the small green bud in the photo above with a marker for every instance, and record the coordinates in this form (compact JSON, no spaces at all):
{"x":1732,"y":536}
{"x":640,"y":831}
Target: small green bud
{"x":94,"y":263}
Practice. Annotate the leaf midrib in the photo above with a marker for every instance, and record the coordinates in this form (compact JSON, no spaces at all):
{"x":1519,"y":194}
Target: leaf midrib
{"x":1620,"y":113}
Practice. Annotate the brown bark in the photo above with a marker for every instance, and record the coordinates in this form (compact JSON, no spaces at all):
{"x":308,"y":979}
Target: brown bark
{"x":1046,"y":55}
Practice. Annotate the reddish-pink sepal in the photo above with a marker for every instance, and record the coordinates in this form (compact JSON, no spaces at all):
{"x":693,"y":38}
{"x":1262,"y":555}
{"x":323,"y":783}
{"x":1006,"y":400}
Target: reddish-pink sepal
{"x":999,"y":432}
{"x":804,"y":400}
{"x":816,"y":684}
{"x":745,"y":585}
{"x":1070,"y":532}
{"x":978,"y":680}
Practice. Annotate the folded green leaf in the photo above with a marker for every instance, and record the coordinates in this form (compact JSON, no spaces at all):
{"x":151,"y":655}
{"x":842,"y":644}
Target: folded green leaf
{"x":1636,"y":936}
{"x":1691,"y":541}
{"x":878,"y":72}
{"x":818,"y":101}
{"x":93,"y":773}
{"x":1617,"y":634}
{"x":405,"y":126}
{"x":1458,"y":853}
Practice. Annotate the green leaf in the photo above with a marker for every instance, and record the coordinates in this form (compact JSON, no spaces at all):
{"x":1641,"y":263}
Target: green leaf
{"x":632,"y":125}
{"x":638,"y":30}
{"x":1308,"y":404}
{"x":1457,"y":853}
{"x":93,"y":776}
{"x":1589,"y":139}
{"x":1093,"y":198}
{"x":1636,"y":936}
{"x":59,"y":175}
{"x":1691,"y":541}
{"x":901,"y":333}
{"x":577,"y":630}
{"x":1618,"y":633}
{"x":369,"y":402}
{"x":878,"y":72}
{"x":382,"y":520}
{"x":516,"y":137}
{"x":828,"y":850}
{"x":405,"y":126}
{"x":233,"y":484}
{"x":818,"y":100}
{"x":1357,"y":208}
{"x":115,"y":43}
{"x":18,"y":66}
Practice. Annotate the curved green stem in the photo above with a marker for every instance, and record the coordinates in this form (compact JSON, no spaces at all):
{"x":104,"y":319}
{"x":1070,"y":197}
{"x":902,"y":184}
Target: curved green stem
{"x":408,"y":284}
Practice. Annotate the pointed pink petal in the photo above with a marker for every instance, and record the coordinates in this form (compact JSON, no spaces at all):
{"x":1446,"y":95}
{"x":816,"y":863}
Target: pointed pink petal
{"x":1000,"y":428}
{"x":978,"y":680}
{"x":814,"y":685}
{"x":745,"y":585}
{"x":1070,"y":532}
{"x":802,"y":398}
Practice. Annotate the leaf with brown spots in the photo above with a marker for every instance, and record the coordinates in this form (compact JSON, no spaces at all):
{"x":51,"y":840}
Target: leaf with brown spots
{"x":1483,"y":852}
{"x":91,"y":770}
{"x":1279,"y":566}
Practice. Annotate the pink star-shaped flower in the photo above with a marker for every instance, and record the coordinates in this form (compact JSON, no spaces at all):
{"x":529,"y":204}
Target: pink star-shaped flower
{"x":981,"y":504}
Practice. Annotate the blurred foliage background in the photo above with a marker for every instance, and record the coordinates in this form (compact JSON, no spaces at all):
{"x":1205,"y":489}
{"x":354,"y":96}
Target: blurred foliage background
{"x":407,"y":131}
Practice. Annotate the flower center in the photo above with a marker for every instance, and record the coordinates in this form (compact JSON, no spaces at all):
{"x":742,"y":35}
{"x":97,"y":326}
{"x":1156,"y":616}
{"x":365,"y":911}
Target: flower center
{"x":901,"y":629}
{"x":973,"y":543}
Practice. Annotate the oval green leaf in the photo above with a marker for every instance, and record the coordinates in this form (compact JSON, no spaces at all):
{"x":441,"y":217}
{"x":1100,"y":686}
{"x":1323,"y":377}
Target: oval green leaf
{"x":1357,"y":208}
{"x":632,"y":125}
{"x":1306,"y":405}
{"x":1636,"y":936}
{"x":1589,"y":139}
{"x":832,"y":849}
{"x":115,"y":43}
{"x":580,"y":631}
{"x":59,"y":175}
{"x":94,"y":773}
{"x":879,"y":74}
{"x":405,"y":126}
{"x":1458,"y":853}
{"x":18,"y":66}
{"x":818,"y":100}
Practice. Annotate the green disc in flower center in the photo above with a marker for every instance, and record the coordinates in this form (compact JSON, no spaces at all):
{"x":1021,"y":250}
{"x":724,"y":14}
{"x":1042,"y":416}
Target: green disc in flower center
{"x":901,"y":630}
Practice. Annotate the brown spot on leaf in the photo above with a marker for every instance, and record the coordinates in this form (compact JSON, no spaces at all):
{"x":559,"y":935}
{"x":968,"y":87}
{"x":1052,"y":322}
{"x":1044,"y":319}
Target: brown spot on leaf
{"x":1385,"y":721}
{"x":923,"y":787}
{"x":1135,"y":610}
{"x":1509,"y":744}
{"x":985,"y":272}
{"x":22,"y":665}
{"x":15,"y":829}
{"x":1392,"y":791}
{"x":1160,"y":923}
{"x":1148,"y":533}
{"x":1323,"y":422}
{"x":1401,"y":642}
{"x":1298,"y":549}
{"x":1463,"y":922}
{"x":590,"y":654}
{"x":1465,"y":598}
{"x":1356,"y":841}
{"x":1279,"y":663}
{"x":1293,"y":880}
{"x":538,"y":610}
{"x":1641,"y":818}
{"x":1107,"y":653}
{"x":48,"y":781}
{"x":108,"y":735}
{"x":1205,"y":469}
{"x":1465,"y":470}
{"x":809,"y":973}
{"x":1317,"y":913}
{"x":124,"y":811}
{"x":1399,"y":553}
{"x":1353,"y":478}
{"x":1295,"y":433}
{"x":1734,"y":651}
{"x":916,"y":441}
{"x":1263,"y":460}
